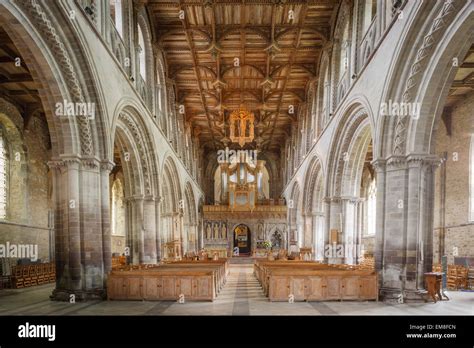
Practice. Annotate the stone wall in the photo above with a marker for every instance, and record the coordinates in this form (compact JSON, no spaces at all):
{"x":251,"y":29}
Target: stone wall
{"x":452,"y":202}
{"x":29,"y":195}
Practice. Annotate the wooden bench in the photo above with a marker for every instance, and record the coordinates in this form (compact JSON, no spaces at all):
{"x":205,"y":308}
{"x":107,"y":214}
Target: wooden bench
{"x":195,"y":280}
{"x":312,"y":281}
{"x":322,"y":285}
{"x":161,"y":284}
{"x":217,"y":275}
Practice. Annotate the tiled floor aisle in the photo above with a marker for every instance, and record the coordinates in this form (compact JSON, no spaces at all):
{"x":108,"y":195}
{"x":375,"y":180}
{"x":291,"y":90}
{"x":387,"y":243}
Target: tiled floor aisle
{"x":242,"y":295}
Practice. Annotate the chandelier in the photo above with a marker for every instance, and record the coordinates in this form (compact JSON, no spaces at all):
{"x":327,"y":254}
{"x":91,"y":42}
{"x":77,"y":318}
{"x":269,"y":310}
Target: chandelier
{"x":241,"y":127}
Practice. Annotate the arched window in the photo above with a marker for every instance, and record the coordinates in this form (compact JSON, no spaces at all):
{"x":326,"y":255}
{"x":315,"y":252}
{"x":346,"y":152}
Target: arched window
{"x":116,"y":13}
{"x":471,"y":181}
{"x":141,"y":53}
{"x":3,"y":175}
{"x":371,"y":207}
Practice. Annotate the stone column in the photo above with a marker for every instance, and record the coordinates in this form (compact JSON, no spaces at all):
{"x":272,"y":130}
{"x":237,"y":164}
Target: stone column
{"x":334,"y":220}
{"x":308,"y":229}
{"x":407,"y":235}
{"x":159,"y":228}
{"x":149,"y":228}
{"x":349,"y":210}
{"x":135,"y":233}
{"x":319,"y":235}
{"x":200,"y":236}
{"x":105,"y":169}
{"x":359,"y":228}
{"x":79,"y":228}
{"x":380,"y":169}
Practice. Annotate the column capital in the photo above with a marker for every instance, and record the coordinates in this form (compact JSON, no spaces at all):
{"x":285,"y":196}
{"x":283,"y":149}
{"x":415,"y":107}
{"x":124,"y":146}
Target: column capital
{"x":396,"y":162}
{"x":107,"y":165}
{"x":379,"y":165}
{"x":423,"y":160}
{"x":334,"y":199}
{"x":350,"y":199}
{"x":136,"y":198}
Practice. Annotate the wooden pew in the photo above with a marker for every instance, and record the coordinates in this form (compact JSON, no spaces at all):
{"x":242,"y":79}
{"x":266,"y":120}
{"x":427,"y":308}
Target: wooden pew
{"x":161,"y":284}
{"x":217,"y":277}
{"x":195,"y":280}
{"x":310,"y":281}
{"x":322,"y":285}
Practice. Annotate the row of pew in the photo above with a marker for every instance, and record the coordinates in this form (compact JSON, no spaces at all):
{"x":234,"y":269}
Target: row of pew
{"x":287,"y":280}
{"x":197,"y":280}
{"x":23,"y":276}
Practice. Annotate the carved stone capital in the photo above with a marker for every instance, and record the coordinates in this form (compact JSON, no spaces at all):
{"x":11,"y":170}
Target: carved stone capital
{"x":107,"y":165}
{"x":396,"y":163}
{"x":379,"y":165}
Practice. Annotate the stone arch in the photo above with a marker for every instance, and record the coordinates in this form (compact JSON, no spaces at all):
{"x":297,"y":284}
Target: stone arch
{"x":295,"y":230}
{"x":131,"y":131}
{"x":48,"y":55}
{"x":356,"y":121}
{"x":171,"y":207}
{"x":137,"y":158}
{"x":313,"y":193}
{"x":351,"y":152}
{"x":424,"y":60}
{"x":313,"y":202}
{"x":190,"y":218}
{"x":56,"y":56}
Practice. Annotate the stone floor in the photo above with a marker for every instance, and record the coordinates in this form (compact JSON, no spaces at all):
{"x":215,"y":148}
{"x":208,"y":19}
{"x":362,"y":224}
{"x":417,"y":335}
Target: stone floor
{"x":242,"y":295}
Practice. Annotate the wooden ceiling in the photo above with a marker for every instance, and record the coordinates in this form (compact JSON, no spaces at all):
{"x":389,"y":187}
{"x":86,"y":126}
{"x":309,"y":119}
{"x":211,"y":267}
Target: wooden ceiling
{"x":16,"y":83}
{"x":463,"y":83}
{"x":224,"y":54}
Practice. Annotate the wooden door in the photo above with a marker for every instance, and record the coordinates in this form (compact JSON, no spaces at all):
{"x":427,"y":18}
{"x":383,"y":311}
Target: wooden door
{"x":350,"y":288}
{"x":316,"y":288}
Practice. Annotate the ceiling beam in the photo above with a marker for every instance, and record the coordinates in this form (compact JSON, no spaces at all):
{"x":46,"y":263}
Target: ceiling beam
{"x":290,"y":63}
{"x":184,"y":22}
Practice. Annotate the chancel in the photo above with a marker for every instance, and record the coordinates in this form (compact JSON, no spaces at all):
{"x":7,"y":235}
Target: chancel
{"x":219,"y":156}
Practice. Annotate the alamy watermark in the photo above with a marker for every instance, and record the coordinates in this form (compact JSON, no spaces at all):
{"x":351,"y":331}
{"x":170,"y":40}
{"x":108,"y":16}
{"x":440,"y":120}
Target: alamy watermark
{"x":67,"y":108}
{"x":37,"y":331}
{"x":343,"y":250}
{"x":400,"y":109}
{"x":22,"y":251}
{"x":236,"y":156}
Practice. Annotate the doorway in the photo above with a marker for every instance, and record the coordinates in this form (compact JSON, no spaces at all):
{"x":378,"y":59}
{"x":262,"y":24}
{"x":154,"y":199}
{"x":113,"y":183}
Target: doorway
{"x":242,"y":239}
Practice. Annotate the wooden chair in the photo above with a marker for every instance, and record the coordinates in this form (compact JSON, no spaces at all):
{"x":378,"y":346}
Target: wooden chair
{"x":470,"y":278}
{"x":17,"y":278}
{"x":26,"y":275}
